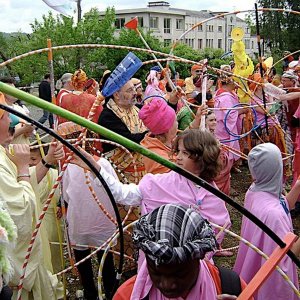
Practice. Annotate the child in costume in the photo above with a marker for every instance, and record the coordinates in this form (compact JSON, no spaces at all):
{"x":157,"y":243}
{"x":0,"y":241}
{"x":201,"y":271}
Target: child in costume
{"x":197,"y":152}
{"x":264,"y":199}
{"x":51,"y":225}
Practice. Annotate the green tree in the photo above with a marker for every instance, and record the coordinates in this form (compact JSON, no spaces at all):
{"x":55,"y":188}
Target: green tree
{"x":62,"y":31}
{"x":281,"y":30}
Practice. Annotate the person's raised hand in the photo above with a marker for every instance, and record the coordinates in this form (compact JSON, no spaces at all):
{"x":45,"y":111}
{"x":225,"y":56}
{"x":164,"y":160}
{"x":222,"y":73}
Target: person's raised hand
{"x":79,"y":162}
{"x":19,"y":154}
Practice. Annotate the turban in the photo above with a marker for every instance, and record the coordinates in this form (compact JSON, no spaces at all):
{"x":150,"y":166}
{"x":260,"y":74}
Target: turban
{"x":79,"y":79}
{"x":196,"y":67}
{"x":174,"y":234}
{"x":293,"y":64}
{"x":157,"y":116}
{"x":156,"y":68}
{"x":257,"y":78}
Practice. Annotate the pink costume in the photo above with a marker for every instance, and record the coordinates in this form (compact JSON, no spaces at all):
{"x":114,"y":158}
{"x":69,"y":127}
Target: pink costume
{"x":224,"y":99}
{"x":152,"y":88}
{"x":261,"y":116}
{"x":87,"y":224}
{"x":296,"y":162}
{"x":204,"y":288}
{"x":264,"y":200}
{"x":156,"y":190}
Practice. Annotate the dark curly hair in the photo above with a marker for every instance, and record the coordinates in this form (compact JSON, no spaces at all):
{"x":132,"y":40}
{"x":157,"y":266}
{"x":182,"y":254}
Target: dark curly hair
{"x":204,"y":149}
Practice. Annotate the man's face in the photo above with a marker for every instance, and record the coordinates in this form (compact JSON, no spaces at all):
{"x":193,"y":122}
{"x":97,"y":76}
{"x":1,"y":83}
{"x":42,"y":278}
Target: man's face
{"x":125,"y":97}
{"x":196,"y":73}
{"x":174,"y":280}
{"x":287,"y":82}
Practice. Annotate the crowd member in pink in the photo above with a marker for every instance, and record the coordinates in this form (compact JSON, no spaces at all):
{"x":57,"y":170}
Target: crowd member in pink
{"x":175,"y":239}
{"x":160,"y":119}
{"x":264,"y":199}
{"x":197,"y":152}
{"x":152,"y":88}
{"x":88,"y":225}
{"x":223,"y":179}
{"x":226,"y":97}
{"x":296,"y":161}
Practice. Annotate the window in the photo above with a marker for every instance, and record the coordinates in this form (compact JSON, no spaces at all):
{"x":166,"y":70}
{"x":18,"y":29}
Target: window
{"x":247,"y":44}
{"x":190,"y":42}
{"x":220,"y":43}
{"x":230,"y":27}
{"x":119,"y":23}
{"x":209,"y":43}
{"x":229,"y":44}
{"x":252,"y":44}
{"x":200,"y":43}
{"x":179,"y":24}
{"x":210,"y":28}
{"x":154,"y":22}
{"x":247,"y":30}
{"x":220,"y":28}
{"x":200,"y":28}
{"x":141,"y":21}
{"x":167,"y":25}
{"x":167,"y":42}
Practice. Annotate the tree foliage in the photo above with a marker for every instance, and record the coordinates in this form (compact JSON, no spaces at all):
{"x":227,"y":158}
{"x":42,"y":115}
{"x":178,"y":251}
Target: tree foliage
{"x":281,"y":30}
{"x":92,"y":29}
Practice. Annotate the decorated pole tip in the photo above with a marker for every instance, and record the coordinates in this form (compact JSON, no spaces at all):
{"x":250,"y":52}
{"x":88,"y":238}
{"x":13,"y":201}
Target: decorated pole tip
{"x":132,"y":24}
{"x":121,"y":74}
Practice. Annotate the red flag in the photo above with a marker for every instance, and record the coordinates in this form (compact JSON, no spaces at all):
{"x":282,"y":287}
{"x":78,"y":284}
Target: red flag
{"x":132,"y":24}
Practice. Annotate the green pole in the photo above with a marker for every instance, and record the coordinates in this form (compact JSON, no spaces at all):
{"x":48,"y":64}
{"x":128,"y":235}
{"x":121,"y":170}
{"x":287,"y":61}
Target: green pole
{"x":7,"y":89}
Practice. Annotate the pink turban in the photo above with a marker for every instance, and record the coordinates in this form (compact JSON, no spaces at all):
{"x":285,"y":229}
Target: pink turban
{"x":157,"y":116}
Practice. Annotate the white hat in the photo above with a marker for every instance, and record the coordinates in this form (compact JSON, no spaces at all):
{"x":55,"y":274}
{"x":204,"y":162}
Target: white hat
{"x":290,"y":74}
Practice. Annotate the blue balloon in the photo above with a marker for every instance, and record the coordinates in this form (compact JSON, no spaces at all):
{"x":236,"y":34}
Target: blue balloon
{"x":121,"y":74}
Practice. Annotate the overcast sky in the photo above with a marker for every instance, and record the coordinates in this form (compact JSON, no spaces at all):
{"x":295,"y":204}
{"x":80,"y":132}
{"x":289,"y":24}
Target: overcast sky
{"x":16,"y":15}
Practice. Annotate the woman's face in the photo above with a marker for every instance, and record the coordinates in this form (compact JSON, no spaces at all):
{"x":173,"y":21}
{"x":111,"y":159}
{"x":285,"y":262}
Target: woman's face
{"x":184,"y":160}
{"x":211,"y":122}
{"x":4,"y":128}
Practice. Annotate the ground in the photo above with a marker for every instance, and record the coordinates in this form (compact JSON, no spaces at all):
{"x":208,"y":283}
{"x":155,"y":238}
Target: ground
{"x":240,"y":184}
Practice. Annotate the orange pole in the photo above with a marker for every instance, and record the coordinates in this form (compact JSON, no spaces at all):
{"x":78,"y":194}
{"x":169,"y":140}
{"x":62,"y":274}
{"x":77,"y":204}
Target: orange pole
{"x":50,"y":63}
{"x":268,"y":267}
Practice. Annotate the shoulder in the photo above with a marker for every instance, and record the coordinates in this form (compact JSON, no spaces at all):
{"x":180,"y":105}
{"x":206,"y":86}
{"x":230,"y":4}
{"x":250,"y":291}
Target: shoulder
{"x":125,"y":290}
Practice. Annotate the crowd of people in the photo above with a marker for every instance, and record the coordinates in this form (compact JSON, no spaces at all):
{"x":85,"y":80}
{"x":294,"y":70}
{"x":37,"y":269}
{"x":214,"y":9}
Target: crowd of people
{"x":176,"y":241}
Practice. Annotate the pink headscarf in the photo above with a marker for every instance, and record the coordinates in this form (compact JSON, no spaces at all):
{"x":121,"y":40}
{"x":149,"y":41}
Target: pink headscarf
{"x":157,"y":116}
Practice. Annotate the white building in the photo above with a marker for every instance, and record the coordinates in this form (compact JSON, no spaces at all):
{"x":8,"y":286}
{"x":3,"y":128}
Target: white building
{"x":168,"y":24}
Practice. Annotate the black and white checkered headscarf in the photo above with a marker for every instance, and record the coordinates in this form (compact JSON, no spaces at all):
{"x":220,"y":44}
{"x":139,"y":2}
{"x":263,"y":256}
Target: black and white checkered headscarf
{"x":174,"y":234}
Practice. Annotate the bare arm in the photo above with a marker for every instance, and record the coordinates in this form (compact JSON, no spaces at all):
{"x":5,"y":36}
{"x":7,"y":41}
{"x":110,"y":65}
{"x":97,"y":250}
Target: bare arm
{"x":55,"y":153}
{"x":126,"y":194}
{"x":296,"y":248}
{"x":293,"y":195}
{"x":290,"y":96}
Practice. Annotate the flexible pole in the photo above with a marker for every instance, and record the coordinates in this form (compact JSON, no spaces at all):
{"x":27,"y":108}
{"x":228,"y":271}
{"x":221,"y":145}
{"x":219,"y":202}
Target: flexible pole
{"x":137,"y":148}
{"x":260,"y":65}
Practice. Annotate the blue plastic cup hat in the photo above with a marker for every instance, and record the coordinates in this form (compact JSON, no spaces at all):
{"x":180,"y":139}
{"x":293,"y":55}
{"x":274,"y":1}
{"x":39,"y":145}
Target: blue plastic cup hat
{"x":121,"y":74}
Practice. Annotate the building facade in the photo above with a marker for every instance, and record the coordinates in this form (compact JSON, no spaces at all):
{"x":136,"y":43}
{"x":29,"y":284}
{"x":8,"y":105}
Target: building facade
{"x":168,"y":24}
